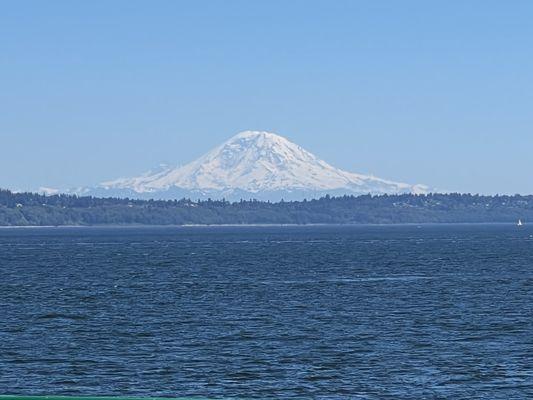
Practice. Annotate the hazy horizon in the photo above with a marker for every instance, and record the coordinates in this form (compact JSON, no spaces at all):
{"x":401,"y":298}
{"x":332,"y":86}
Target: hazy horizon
{"x":435,"y":94}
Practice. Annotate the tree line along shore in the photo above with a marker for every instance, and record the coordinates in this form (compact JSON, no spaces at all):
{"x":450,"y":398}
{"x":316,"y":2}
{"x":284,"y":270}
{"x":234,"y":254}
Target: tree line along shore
{"x":31,"y":209}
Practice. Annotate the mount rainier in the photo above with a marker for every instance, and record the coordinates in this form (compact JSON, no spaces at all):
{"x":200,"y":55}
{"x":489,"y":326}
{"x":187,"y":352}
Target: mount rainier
{"x":252,"y":164}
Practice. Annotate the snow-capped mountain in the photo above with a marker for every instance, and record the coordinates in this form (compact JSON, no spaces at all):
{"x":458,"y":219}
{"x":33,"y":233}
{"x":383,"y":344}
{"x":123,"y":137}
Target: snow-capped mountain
{"x":252,"y":164}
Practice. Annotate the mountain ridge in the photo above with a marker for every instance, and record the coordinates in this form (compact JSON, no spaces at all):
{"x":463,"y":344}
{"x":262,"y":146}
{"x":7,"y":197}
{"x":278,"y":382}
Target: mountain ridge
{"x":251,"y":164}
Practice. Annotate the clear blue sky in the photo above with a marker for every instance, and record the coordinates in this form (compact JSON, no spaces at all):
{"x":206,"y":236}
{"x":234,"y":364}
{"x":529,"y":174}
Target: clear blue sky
{"x":434,"y":92}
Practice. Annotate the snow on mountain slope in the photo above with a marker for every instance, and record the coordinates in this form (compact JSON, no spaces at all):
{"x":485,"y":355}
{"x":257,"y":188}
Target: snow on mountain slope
{"x":257,"y":163}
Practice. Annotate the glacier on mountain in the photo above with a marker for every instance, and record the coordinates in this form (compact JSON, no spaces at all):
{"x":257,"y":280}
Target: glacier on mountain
{"x":253,"y":164}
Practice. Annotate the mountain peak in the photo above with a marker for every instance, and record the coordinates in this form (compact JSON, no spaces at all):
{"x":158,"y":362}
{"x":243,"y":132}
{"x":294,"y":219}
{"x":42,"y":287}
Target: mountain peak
{"x":259,"y":139}
{"x":256,"y":164}
{"x":256,"y":134}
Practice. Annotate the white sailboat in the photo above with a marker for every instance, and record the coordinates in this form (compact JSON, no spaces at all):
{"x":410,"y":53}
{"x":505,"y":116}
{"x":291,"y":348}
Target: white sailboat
{"x":519,"y":223}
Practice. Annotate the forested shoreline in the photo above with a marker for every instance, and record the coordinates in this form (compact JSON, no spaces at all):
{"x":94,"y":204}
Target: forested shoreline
{"x":30,"y":209}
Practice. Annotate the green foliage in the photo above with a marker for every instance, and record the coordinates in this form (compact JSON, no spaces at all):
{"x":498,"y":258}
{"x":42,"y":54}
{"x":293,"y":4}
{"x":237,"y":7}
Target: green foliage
{"x":26,"y":209}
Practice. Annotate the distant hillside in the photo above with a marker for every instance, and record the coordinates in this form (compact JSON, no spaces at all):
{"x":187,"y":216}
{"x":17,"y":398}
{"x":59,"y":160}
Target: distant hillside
{"x":26,"y":209}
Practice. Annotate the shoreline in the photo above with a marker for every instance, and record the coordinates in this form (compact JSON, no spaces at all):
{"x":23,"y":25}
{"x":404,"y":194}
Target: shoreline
{"x":132,"y":226}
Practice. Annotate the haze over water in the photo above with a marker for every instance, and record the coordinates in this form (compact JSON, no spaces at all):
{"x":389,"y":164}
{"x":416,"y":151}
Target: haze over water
{"x":370,"y":312}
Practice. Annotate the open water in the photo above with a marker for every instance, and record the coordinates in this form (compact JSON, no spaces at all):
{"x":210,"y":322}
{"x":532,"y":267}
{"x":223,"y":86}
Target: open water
{"x":325,"y":312}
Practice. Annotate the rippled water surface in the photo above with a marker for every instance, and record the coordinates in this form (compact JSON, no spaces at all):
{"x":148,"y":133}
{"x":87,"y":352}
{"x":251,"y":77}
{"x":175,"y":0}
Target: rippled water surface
{"x":370,"y":312}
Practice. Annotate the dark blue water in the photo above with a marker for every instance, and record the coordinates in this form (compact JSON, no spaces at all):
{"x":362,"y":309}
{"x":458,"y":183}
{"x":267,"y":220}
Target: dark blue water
{"x":371,"y":312}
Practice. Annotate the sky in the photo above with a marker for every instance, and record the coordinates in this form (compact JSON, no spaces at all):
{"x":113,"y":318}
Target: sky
{"x":432,"y":92}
